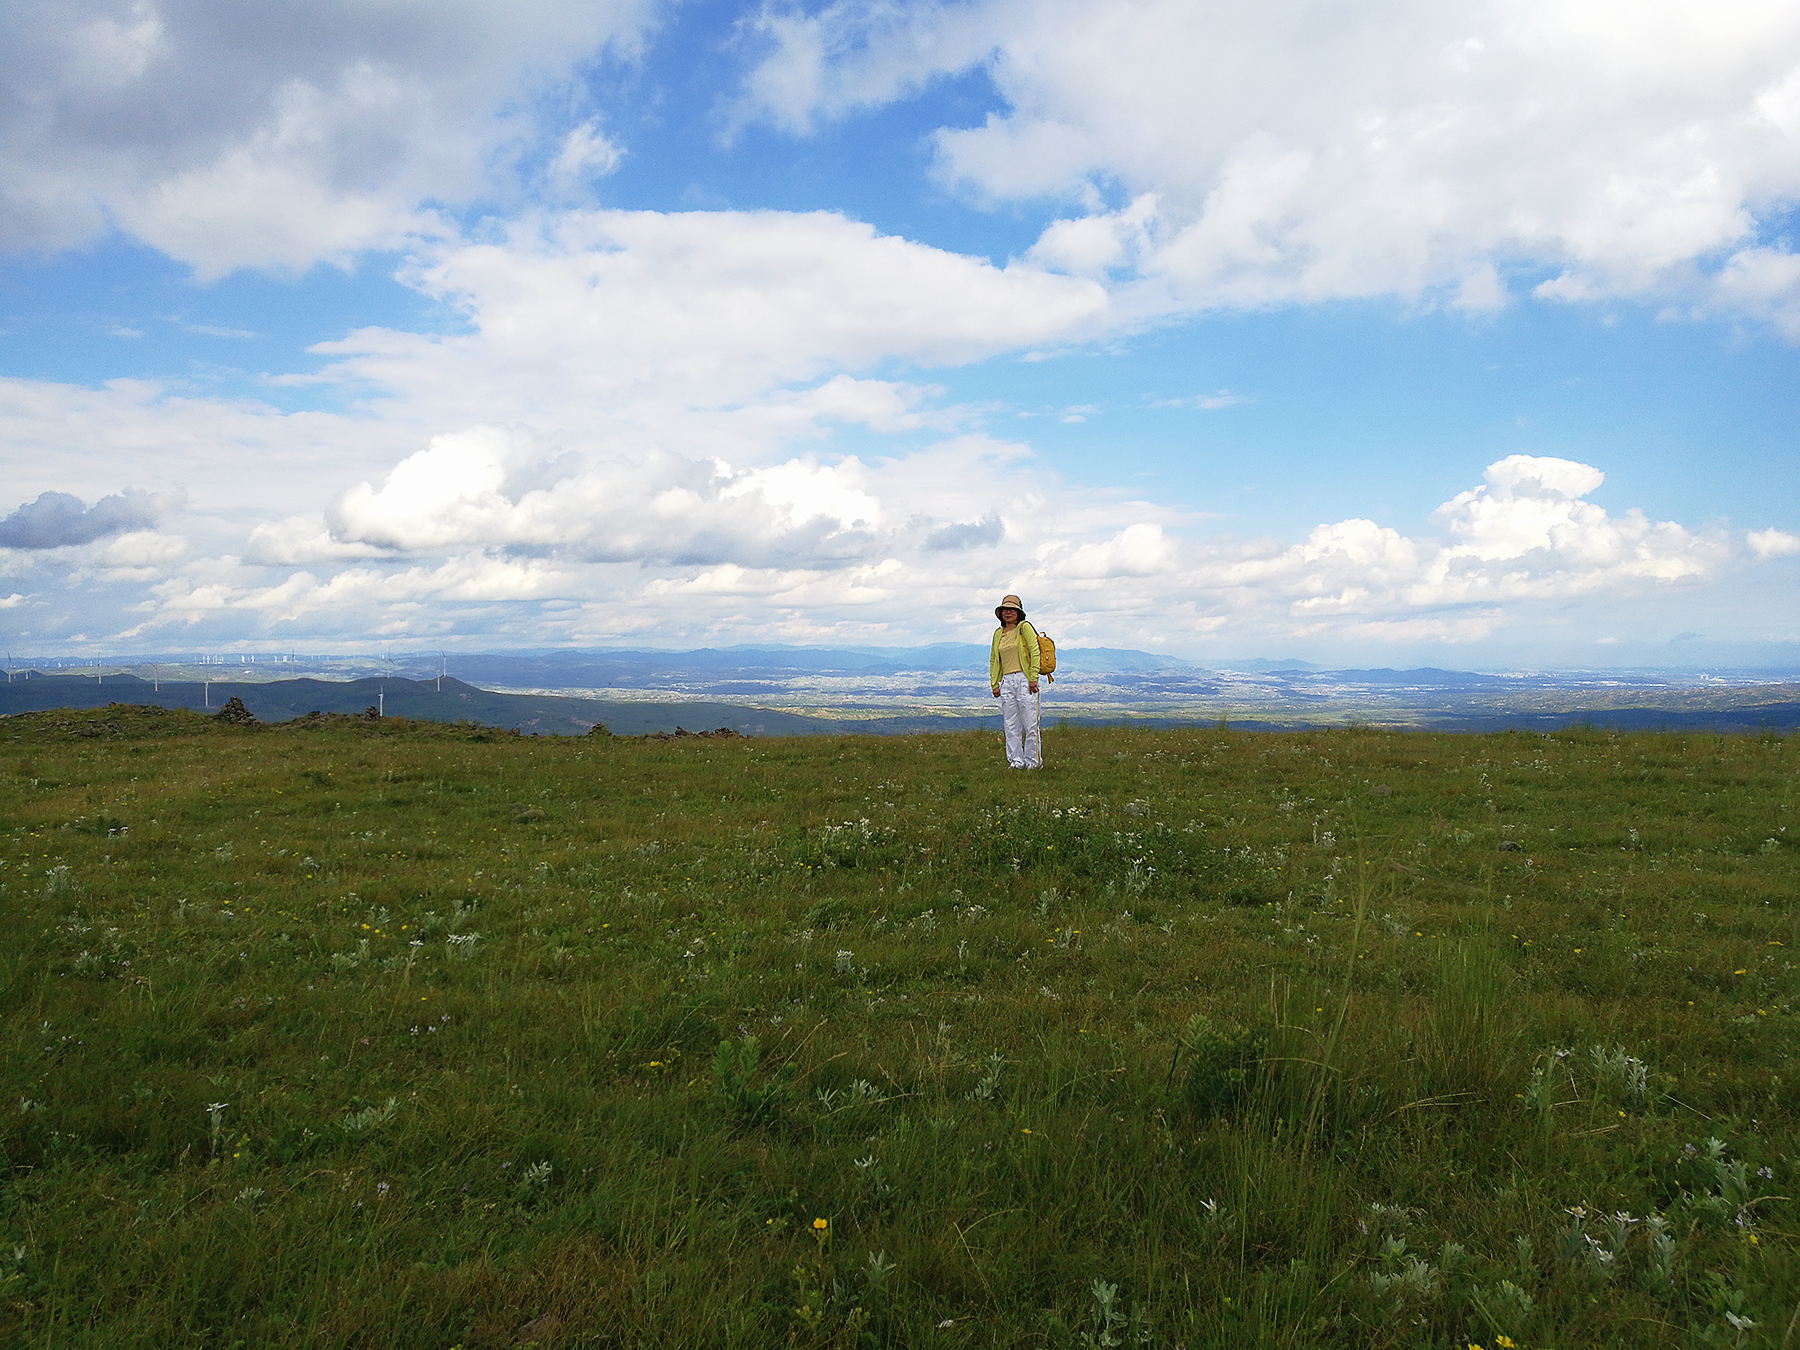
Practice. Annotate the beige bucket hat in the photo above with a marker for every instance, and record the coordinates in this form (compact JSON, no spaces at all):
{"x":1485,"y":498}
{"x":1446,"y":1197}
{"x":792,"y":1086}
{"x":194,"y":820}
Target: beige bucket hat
{"x":1009,"y":602}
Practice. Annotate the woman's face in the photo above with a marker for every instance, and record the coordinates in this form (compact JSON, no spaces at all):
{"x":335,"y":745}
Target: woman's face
{"x":1009,"y":616}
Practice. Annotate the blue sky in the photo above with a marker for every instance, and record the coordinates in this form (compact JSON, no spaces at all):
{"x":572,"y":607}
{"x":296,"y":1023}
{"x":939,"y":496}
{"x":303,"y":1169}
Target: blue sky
{"x":1464,"y":335}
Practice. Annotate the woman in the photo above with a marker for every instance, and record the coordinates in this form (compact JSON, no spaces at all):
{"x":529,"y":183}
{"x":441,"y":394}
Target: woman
{"x":1013,"y":672}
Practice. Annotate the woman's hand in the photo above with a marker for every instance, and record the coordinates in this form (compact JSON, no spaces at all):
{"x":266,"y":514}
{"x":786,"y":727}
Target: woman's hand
{"x":1031,"y":686}
{"x":996,"y":691}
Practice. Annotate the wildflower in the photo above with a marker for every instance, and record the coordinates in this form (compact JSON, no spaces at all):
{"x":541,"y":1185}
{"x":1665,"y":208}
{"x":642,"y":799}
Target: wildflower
{"x":821,"y":1224}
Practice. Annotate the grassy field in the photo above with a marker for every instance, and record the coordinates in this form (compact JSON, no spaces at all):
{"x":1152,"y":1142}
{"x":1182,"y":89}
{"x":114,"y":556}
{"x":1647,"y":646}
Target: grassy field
{"x":391,"y":1034}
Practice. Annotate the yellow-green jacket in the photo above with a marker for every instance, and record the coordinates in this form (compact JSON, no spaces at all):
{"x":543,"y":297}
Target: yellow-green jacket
{"x":1028,"y":653}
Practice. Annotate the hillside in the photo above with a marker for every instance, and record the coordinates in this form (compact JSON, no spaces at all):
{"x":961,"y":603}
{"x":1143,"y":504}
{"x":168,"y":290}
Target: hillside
{"x":354,"y":1033}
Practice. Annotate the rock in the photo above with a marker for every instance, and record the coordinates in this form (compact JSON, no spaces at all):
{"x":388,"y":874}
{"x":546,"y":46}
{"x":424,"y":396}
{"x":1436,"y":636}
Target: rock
{"x":1511,"y":846}
{"x":235,"y":714}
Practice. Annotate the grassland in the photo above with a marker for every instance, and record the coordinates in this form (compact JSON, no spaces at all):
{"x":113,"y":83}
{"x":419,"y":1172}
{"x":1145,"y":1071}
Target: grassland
{"x":391,"y":1034}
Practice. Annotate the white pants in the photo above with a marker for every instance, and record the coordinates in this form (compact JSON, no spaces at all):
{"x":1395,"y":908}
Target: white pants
{"x":1019,"y":715}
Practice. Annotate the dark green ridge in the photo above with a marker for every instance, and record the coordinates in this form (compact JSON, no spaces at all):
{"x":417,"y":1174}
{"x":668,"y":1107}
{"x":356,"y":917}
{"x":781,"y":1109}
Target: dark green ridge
{"x":452,"y":700}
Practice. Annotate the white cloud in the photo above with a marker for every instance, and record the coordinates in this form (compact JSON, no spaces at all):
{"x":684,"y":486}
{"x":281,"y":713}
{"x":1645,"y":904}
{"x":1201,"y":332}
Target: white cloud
{"x":487,"y":488}
{"x":880,"y":405}
{"x":228,"y":456}
{"x":585,"y":153}
{"x":298,"y":540}
{"x":1204,"y":402}
{"x":1526,"y":535}
{"x":1298,"y":151}
{"x":475,"y":488}
{"x":1528,"y":532}
{"x":1763,"y":282}
{"x":147,"y":551}
{"x":1527,"y":503}
{"x":579,"y":318}
{"x":1773,"y":543}
{"x":1139,"y":550}
{"x":244,"y":135}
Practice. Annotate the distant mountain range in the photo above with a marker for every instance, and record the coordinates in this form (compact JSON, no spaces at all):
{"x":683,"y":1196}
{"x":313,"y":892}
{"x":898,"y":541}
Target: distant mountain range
{"x":426,"y":700}
{"x":813,"y":691}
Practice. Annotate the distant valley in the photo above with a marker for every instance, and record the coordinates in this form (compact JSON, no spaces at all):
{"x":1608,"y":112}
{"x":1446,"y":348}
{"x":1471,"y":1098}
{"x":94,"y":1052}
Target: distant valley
{"x":810,"y":690}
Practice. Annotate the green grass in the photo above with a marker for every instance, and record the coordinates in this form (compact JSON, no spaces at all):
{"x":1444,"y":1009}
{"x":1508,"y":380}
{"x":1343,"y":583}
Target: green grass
{"x":390,"y":1034}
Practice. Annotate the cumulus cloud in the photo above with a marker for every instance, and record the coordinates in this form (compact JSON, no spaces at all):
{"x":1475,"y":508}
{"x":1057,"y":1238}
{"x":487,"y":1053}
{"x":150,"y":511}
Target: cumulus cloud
{"x":484,"y":487}
{"x":232,"y":135}
{"x":1247,"y":154}
{"x":1773,"y":543}
{"x":1527,"y":534}
{"x":581,"y":316}
{"x":59,"y":519}
{"x":804,"y":548}
{"x":660,"y":508}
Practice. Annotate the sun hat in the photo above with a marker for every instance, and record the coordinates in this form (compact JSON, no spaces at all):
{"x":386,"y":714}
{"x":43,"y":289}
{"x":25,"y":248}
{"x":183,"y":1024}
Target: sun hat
{"x":1009,"y":602}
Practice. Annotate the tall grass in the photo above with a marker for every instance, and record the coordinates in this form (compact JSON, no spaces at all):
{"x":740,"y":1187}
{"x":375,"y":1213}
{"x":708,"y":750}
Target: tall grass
{"x":384,"y":1034}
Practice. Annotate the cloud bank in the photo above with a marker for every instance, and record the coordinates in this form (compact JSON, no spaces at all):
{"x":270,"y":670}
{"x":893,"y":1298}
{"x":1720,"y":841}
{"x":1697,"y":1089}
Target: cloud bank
{"x":235,"y":135}
{"x":1298,"y":151}
{"x":907,"y":548}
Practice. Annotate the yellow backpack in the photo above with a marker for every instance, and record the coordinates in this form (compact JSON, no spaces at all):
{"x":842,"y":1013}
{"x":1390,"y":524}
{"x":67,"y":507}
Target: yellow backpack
{"x":1046,"y":657}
